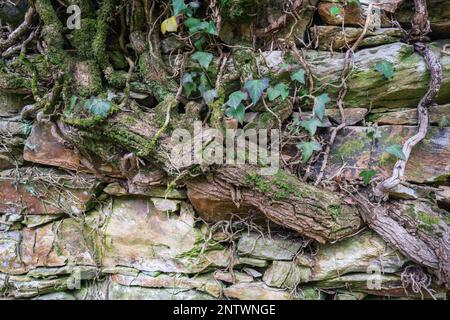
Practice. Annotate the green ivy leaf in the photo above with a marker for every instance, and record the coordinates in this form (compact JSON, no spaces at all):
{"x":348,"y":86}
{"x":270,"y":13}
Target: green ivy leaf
{"x":255,"y":88}
{"x":396,"y":150}
{"x":189,"y":85}
{"x":236,"y":113}
{"x":386,"y":68}
{"x":367,"y":175}
{"x":319,"y":105}
{"x":235,"y":99}
{"x":98,"y":107}
{"x":211,"y":28}
{"x":198,"y":44}
{"x":178,"y":7}
{"x":299,"y":76}
{"x":335,"y":11}
{"x":311,"y":125}
{"x":308,"y":148}
{"x":354,"y":2}
{"x":209,"y":96}
{"x":203,"y":58}
{"x":193,"y":24}
{"x":280,"y":89}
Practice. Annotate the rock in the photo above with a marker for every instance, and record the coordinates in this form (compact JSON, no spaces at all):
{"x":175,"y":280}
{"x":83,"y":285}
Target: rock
{"x":116,"y":189}
{"x":286,"y":274}
{"x":355,"y":254}
{"x":56,"y":296}
{"x":252,"y":262}
{"x":403,"y":192}
{"x":439,"y":116}
{"x":12,"y":134}
{"x":135,"y":234}
{"x":54,"y":245}
{"x":166,"y":205}
{"x":44,"y":147}
{"x":378,"y":285}
{"x":336,"y":38}
{"x":45,"y":191}
{"x":350,"y":296}
{"x":32,"y":221}
{"x":443,"y":197}
{"x":235,"y":277}
{"x":361,"y":148}
{"x":369,"y":87}
{"x":274,"y":247}
{"x":256,"y":291}
{"x":252,"y":272}
{"x":203,"y":283}
{"x":118,"y":292}
{"x":11,"y":104}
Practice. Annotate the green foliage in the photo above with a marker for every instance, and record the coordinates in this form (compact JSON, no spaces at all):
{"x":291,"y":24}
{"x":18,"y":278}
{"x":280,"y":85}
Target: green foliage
{"x":319,"y":105}
{"x":196,"y":25}
{"x":255,"y":88}
{"x":237,"y":112}
{"x":280,"y":90}
{"x":335,"y":11}
{"x":308,"y":148}
{"x":209,"y":96}
{"x":189,"y":85}
{"x":386,"y":68}
{"x":203,"y":58}
{"x":299,"y":76}
{"x":367,"y":175}
{"x":311,"y":125}
{"x":179,"y":7}
{"x":98,"y":106}
{"x":396,"y":150}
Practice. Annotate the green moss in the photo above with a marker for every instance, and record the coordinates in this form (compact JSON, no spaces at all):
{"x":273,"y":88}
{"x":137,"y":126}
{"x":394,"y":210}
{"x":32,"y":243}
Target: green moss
{"x":350,"y":148}
{"x":335,"y":211}
{"x":258,"y":181}
{"x":82,"y":38}
{"x":427,"y":219}
{"x":280,"y":185}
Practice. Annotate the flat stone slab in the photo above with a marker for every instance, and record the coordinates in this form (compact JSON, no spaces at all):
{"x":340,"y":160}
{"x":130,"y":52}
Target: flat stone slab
{"x":361,"y":148}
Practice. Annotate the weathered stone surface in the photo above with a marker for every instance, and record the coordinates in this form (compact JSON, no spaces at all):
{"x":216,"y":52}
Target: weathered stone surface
{"x":286,"y":274}
{"x":11,"y":104}
{"x":361,"y":148}
{"x":117,"y":189}
{"x":45,"y":191}
{"x":354,"y":14}
{"x":369,"y":87}
{"x":136,"y":234}
{"x":378,"y":285}
{"x":53,"y":245}
{"x":203,"y":283}
{"x":274,"y":247}
{"x":355,"y":254}
{"x":438,"y":12}
{"x":44,"y":146}
{"x":12,"y":134}
{"x":336,"y":38}
{"x":443,"y":197}
{"x":256,"y":291}
{"x":119,"y":292}
{"x":235,"y":277}
{"x":439,"y":116}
